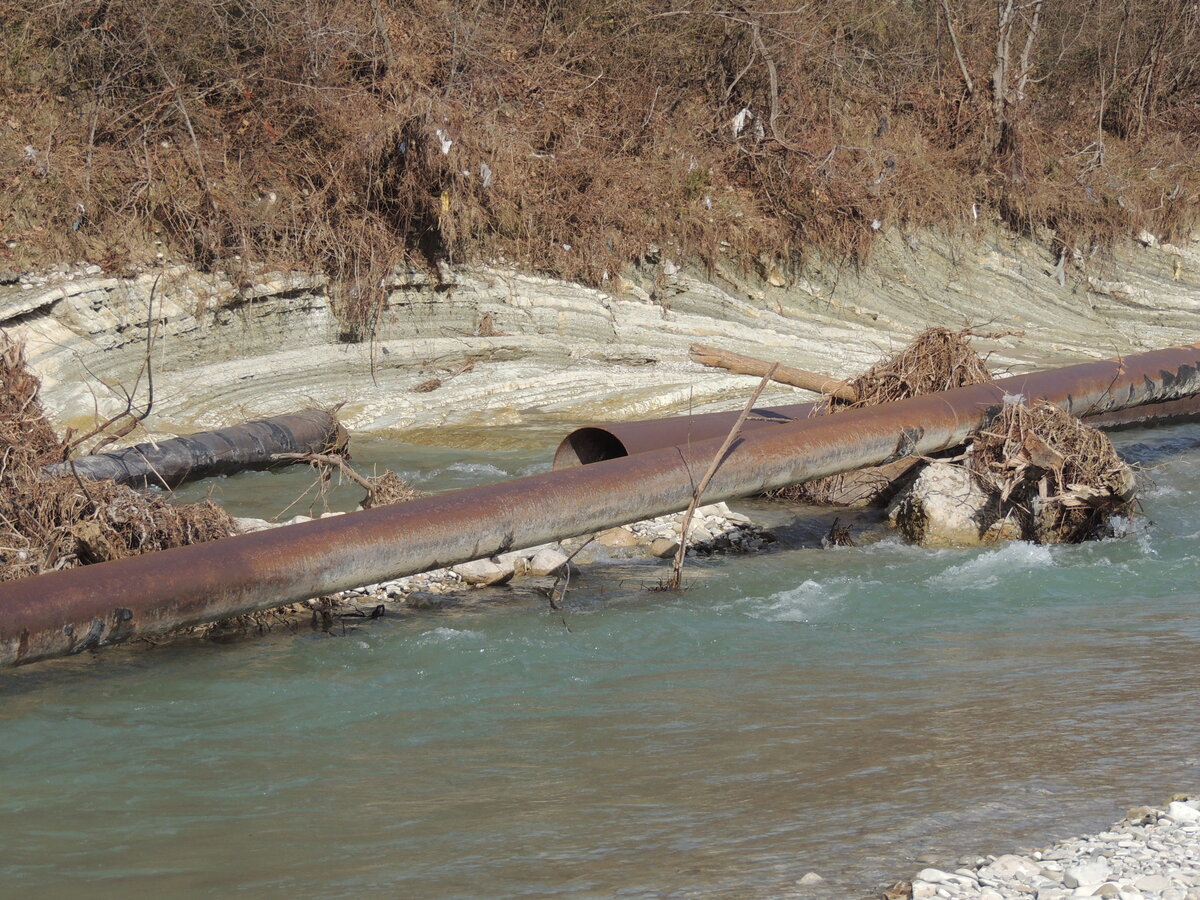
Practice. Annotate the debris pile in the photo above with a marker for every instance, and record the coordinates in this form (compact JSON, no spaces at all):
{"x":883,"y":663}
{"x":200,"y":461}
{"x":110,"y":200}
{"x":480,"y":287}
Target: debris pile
{"x":60,"y":522}
{"x":938,"y":359}
{"x":1059,"y":479}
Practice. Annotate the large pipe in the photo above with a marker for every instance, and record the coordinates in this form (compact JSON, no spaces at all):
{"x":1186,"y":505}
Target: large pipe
{"x":250,"y":445}
{"x":69,"y":611}
{"x":596,"y":443}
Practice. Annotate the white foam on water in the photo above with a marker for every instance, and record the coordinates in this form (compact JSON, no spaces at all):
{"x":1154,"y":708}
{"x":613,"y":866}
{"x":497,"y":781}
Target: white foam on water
{"x":475,"y":468}
{"x":988,"y":569}
{"x":447,"y":635}
{"x":808,"y":601}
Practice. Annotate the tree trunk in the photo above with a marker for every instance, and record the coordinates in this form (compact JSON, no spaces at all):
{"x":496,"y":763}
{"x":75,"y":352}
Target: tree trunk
{"x":748,"y":365}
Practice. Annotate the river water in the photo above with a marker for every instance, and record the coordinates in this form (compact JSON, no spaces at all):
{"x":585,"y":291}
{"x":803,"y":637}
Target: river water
{"x":858,"y":712}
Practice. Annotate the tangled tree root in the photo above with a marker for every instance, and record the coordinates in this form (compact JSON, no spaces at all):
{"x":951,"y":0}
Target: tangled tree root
{"x":938,"y":359}
{"x":1060,"y":479}
{"x":58,"y":523}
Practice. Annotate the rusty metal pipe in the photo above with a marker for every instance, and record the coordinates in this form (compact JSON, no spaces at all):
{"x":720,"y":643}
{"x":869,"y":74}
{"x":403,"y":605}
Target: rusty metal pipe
{"x":596,"y":443}
{"x":65,"y":612}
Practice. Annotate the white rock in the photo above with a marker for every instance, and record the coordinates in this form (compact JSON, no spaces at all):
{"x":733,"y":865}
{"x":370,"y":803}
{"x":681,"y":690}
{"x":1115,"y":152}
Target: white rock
{"x":937,"y":876}
{"x":1152,"y":884}
{"x":483,"y":572}
{"x":810,"y":878}
{"x":1182,"y":813}
{"x":1011,"y":866}
{"x":1093,"y":872}
{"x":942,"y":507}
{"x":547,"y":562}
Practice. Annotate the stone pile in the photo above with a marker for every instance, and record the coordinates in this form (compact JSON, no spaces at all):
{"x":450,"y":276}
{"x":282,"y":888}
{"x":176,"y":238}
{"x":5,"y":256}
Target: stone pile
{"x":1152,"y":854}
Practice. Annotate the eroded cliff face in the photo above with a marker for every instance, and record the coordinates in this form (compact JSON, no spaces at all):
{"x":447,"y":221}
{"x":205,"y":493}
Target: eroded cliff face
{"x":552,"y":353}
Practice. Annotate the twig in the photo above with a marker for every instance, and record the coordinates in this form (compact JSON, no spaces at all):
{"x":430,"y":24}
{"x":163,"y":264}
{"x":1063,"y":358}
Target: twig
{"x":557,"y":603}
{"x":676,"y":578}
{"x":329,"y":459}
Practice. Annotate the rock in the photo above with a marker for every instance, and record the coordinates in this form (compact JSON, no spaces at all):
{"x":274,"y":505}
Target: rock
{"x":1142,"y":815}
{"x":423,"y":600}
{"x":937,"y":876}
{"x":1012,"y":867}
{"x":484,"y":572}
{"x":1182,"y":813}
{"x":810,"y":878}
{"x":619,"y":537}
{"x":923,"y":890}
{"x":246,"y":524}
{"x":1152,"y":884}
{"x":548,"y":562}
{"x":942,"y":507}
{"x":664,"y":548}
{"x":1093,"y":872}
{"x":1108,"y":889}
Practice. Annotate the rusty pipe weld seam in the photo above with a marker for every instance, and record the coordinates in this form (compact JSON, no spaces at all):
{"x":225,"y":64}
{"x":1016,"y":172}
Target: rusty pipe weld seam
{"x":595,"y":443}
{"x":65,"y":612}
{"x":171,"y":462}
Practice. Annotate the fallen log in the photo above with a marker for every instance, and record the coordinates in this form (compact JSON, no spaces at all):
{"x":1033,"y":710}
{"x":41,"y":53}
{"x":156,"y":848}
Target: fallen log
{"x":66,"y":612}
{"x":250,"y":445}
{"x":738,"y":364}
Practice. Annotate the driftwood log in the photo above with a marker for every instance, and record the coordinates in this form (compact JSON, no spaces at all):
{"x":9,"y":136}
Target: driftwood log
{"x":748,"y":365}
{"x":250,"y":445}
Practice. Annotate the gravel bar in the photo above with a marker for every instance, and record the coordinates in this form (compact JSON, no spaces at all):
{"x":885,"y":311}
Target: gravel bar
{"x":1151,"y":854}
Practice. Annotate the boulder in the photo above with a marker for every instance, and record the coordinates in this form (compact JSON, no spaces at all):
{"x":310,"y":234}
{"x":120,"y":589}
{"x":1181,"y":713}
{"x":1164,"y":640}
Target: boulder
{"x":547,"y":562}
{"x":484,"y":572}
{"x":943,"y":507}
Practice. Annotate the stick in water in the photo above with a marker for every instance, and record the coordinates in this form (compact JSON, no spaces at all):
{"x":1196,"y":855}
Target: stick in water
{"x":677,"y":568}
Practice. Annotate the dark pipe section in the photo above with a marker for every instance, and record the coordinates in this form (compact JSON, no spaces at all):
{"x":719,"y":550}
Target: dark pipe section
{"x":596,"y":443}
{"x":250,"y":445}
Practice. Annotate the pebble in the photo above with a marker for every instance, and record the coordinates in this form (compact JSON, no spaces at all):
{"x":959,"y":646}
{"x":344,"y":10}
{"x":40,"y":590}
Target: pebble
{"x":1152,"y":854}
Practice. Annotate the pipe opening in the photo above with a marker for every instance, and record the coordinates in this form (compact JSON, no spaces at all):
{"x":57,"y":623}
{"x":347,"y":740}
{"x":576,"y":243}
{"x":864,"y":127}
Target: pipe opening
{"x":584,"y":446}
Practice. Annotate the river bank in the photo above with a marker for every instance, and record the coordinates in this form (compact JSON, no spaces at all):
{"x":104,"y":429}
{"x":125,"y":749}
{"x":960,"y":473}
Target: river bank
{"x":1150,"y":854}
{"x":516,"y":352}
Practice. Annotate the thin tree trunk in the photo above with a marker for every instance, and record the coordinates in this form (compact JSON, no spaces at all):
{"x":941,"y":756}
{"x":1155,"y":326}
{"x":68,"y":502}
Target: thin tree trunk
{"x":748,"y":365}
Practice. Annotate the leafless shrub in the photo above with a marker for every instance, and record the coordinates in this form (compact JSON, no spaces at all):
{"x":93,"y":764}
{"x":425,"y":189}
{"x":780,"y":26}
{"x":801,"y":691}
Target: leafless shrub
{"x":56,"y":523}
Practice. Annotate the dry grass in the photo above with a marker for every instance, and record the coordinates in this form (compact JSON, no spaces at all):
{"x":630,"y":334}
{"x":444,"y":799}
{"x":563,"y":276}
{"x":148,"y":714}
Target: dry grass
{"x":57,"y":523}
{"x":938,"y":359}
{"x":570,"y":138}
{"x":1060,"y":479}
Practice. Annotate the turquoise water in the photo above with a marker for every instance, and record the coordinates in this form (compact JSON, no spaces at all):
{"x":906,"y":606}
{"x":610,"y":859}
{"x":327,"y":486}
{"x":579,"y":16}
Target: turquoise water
{"x":855,"y":712}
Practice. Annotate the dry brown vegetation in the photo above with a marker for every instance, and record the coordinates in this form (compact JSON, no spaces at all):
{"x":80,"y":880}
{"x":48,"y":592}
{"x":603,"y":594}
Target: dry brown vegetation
{"x":571,"y":135}
{"x":56,"y":523}
{"x":1059,"y":479}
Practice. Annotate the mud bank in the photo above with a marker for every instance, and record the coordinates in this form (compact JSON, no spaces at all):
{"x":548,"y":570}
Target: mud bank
{"x":548,"y":352}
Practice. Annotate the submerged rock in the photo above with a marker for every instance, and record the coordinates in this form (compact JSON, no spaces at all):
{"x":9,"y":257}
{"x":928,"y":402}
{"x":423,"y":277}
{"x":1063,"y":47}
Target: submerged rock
{"x":943,"y":507}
